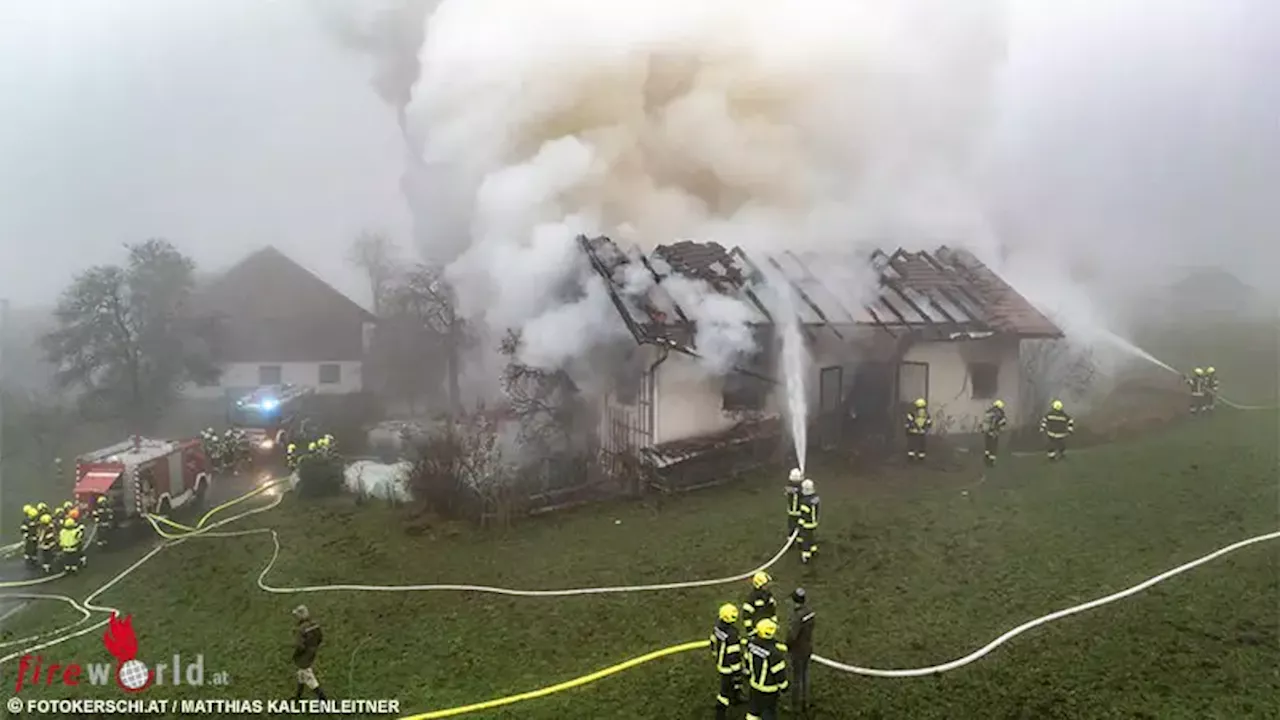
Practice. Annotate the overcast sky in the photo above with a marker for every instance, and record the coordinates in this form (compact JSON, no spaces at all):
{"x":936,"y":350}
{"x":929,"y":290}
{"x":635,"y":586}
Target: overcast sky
{"x":226,"y":125}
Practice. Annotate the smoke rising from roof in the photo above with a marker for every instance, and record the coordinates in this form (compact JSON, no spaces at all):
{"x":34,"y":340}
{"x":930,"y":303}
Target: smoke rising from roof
{"x":804,"y":125}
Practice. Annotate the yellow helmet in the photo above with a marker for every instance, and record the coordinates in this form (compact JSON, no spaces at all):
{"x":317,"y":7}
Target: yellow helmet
{"x":42,"y":506}
{"x":999,"y":404}
{"x":67,"y":505}
{"x":920,"y":402}
{"x":46,"y":519}
{"x":767,"y":629}
{"x":292,"y":447}
{"x":760,"y":579}
{"x":69,"y":522}
{"x":1057,"y":405}
{"x":729,"y":613}
{"x":29,"y":510}
{"x":102,"y":499}
{"x":1198,"y":371}
{"x":311,"y":446}
{"x":1210,"y":370}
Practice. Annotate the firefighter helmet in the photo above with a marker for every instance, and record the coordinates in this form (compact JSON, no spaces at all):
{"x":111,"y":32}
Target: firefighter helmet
{"x":798,"y":597}
{"x":102,"y":499}
{"x":796,"y":475}
{"x":42,"y":507}
{"x":1210,"y":370}
{"x":1057,"y":405}
{"x":1199,"y":371}
{"x":920,"y":402}
{"x":999,"y":404}
{"x":29,"y":510}
{"x":767,"y":629}
{"x":806,"y":487}
{"x":46,"y":519}
{"x":729,"y":613}
{"x":69,"y":522}
{"x":760,"y":579}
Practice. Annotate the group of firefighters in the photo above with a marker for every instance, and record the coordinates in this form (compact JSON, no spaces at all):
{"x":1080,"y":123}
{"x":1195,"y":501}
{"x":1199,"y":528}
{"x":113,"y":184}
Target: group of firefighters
{"x":1056,"y":425}
{"x":321,"y":447}
{"x":226,"y":452}
{"x":53,"y":538}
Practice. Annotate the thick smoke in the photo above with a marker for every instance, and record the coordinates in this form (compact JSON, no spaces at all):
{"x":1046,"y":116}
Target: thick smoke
{"x":767,"y":124}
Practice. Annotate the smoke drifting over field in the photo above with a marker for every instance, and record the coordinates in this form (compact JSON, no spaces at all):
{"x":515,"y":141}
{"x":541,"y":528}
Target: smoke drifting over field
{"x":803,"y":125}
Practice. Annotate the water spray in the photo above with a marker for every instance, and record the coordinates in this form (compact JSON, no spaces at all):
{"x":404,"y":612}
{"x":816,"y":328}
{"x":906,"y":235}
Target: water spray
{"x":795,"y":363}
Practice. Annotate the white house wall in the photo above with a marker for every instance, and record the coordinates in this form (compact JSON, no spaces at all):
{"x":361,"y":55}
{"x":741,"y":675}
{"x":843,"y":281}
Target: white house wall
{"x":950,"y":388}
{"x":238,"y":377}
{"x":690,"y":402}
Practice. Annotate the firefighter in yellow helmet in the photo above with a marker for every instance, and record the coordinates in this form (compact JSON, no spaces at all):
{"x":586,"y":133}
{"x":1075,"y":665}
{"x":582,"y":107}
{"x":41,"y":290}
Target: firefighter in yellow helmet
{"x":104,"y":519}
{"x":1057,"y":426}
{"x":291,"y":456}
{"x":30,"y":527}
{"x":993,"y":423}
{"x":47,"y":543}
{"x":71,"y":542}
{"x":917,"y":426}
{"x":808,"y":536}
{"x":726,"y":646}
{"x":766,"y":670}
{"x":1210,"y":388}
{"x":760,"y":603}
{"x":1196,"y":382}
{"x":792,"y":493}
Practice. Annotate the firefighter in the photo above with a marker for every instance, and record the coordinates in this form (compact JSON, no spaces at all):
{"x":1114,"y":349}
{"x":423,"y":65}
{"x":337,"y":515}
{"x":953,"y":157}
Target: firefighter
{"x":726,"y":645}
{"x":42,"y":508}
{"x":918,"y":423}
{"x":792,"y":493}
{"x":47,"y":543}
{"x":1211,"y":388}
{"x":808,"y":536}
{"x":30,"y":528}
{"x":1197,"y":384}
{"x":104,"y":520}
{"x":71,"y":542}
{"x":291,"y":456}
{"x":800,"y":648}
{"x":760,"y":604}
{"x":767,"y":670}
{"x":304,"y":652}
{"x":993,"y":423}
{"x":1057,"y":426}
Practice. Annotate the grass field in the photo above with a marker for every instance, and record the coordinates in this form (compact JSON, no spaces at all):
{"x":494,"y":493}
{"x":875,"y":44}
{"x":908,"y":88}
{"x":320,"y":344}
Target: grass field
{"x":913,"y":572}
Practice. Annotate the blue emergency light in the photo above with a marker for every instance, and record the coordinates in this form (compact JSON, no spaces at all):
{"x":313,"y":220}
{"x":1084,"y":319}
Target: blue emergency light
{"x":269,"y":404}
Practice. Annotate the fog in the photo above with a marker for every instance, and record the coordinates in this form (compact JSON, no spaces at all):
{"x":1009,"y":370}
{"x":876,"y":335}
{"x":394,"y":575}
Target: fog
{"x":1125,"y":141}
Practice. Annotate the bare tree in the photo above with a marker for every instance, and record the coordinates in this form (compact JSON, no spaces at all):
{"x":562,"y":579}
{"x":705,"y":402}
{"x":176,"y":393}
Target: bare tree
{"x":422,"y":302}
{"x":377,"y":256}
{"x":1054,"y":369}
{"x":545,"y":402}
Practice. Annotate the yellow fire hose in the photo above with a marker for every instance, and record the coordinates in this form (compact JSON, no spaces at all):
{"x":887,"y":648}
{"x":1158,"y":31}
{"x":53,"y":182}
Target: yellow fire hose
{"x":561,"y":687}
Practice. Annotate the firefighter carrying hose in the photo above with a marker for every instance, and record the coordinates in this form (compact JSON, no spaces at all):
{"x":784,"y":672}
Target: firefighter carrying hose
{"x":760,"y":604}
{"x":993,"y":423}
{"x":767,"y":670}
{"x":1057,"y":426}
{"x":71,"y":542}
{"x":792,"y":493}
{"x":104,"y":520}
{"x":808,"y":537}
{"x":1196,"y":381}
{"x":30,"y":527}
{"x":726,"y":645}
{"x":918,"y":423}
{"x":47,"y":543}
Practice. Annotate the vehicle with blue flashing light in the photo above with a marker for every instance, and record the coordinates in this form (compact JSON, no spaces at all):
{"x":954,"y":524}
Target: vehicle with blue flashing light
{"x":269,"y":416}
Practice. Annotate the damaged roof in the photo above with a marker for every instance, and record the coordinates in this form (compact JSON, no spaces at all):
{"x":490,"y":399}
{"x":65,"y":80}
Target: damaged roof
{"x":949,"y":292}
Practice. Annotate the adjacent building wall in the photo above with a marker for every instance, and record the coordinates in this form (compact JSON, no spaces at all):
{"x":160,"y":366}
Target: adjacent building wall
{"x":243,"y":376}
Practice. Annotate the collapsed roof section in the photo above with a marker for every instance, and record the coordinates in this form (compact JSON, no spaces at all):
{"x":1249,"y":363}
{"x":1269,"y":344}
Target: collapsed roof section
{"x":949,"y":293}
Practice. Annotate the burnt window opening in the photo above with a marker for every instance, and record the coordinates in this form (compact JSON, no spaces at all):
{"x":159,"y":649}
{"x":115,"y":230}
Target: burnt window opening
{"x":985,"y":379}
{"x":743,"y":392}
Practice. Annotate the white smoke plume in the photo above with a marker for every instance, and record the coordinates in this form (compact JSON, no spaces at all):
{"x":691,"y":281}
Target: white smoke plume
{"x":767,"y":124}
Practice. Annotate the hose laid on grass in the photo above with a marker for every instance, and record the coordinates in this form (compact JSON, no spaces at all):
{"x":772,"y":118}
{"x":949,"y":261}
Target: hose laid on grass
{"x":199,"y":531}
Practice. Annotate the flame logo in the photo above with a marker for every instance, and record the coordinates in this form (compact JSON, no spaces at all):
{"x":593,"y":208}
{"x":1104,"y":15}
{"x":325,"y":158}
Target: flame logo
{"x":123,"y":646}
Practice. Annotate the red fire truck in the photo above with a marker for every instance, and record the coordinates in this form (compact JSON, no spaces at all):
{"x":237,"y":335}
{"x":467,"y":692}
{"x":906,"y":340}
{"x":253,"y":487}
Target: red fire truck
{"x":144,"y":475}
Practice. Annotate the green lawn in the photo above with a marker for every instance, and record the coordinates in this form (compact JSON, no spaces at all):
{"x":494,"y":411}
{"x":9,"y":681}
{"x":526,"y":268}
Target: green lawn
{"x":914,"y":572}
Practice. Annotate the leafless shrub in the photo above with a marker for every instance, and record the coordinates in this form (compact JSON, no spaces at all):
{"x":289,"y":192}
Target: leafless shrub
{"x":1054,"y":369}
{"x":459,"y":468}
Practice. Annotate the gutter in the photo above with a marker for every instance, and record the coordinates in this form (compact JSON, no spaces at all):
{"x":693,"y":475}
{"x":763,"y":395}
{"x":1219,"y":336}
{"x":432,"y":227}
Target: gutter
{"x":653,"y":391}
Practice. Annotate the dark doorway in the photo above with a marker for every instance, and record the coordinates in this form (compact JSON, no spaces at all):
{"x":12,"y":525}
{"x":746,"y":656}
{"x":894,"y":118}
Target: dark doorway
{"x":830,"y":418}
{"x":869,"y":400}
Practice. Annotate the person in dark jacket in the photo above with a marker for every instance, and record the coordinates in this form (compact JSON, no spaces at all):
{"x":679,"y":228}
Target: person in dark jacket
{"x":304,"y":652}
{"x":726,"y":645}
{"x":800,"y":647}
